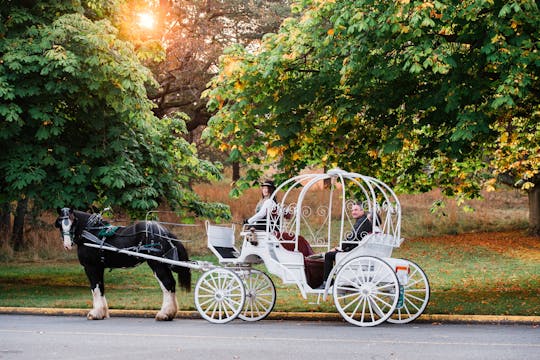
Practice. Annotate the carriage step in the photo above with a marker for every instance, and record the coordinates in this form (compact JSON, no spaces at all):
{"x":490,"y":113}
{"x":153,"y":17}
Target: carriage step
{"x":227,"y":252}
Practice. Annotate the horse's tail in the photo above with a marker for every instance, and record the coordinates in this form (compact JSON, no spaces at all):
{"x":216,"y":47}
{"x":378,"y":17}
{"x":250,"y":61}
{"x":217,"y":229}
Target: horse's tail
{"x":184,"y":273}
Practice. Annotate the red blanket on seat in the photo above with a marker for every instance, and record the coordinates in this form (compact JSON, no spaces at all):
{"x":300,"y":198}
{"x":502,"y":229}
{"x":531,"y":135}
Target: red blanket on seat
{"x":314,"y":268}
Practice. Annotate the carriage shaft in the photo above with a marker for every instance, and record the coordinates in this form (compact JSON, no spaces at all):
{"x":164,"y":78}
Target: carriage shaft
{"x":196,"y":265}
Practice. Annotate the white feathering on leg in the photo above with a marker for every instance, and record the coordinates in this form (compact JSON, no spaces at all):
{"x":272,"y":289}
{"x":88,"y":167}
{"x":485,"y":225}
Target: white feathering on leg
{"x":169,"y":307}
{"x":100,"y":308}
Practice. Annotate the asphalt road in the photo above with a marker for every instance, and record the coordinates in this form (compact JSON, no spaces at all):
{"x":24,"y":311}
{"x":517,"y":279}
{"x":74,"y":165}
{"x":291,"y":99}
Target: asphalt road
{"x":72,"y":337}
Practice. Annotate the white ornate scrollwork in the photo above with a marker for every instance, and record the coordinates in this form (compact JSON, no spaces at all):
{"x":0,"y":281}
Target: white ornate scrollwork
{"x":306,"y":211}
{"x":322,"y":211}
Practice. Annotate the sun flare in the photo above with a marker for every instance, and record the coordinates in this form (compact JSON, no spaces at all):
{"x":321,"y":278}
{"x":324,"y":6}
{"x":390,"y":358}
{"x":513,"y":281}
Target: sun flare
{"x":147,"y":21}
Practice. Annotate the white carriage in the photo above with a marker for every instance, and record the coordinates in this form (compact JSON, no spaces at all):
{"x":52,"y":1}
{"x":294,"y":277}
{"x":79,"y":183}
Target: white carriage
{"x":368,"y":286}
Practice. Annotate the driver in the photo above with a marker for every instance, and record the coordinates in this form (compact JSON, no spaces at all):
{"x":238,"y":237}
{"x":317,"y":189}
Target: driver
{"x":361,"y":228}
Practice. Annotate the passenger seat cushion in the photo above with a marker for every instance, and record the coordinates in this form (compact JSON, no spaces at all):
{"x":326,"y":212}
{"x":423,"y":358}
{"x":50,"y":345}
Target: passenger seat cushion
{"x":303,"y":245}
{"x":314,"y":268}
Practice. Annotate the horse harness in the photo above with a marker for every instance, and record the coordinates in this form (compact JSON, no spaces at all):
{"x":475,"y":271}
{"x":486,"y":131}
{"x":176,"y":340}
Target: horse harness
{"x":95,"y":222}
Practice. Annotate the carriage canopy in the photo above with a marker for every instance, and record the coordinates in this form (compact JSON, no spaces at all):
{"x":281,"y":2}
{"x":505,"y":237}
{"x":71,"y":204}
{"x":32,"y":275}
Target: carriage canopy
{"x":318,"y":208}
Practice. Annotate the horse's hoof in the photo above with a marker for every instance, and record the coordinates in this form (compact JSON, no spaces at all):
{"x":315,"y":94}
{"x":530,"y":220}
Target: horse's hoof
{"x":164,"y":317}
{"x":92,"y":316}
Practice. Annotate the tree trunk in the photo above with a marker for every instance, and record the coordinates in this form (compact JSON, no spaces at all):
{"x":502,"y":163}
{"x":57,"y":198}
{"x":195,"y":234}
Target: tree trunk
{"x":17,"y":235}
{"x":5,"y":222}
{"x":327,"y":183}
{"x":235,"y":171}
{"x":534,"y":210}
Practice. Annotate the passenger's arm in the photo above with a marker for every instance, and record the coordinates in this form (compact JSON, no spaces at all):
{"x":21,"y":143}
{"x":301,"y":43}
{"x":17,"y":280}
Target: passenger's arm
{"x":263,"y":211}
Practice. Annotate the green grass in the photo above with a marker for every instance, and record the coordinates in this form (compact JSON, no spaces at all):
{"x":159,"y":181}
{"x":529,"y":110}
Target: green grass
{"x":490,"y":273}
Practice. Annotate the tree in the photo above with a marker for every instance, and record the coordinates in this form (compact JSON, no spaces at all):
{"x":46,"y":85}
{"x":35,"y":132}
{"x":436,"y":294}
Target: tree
{"x":196,"y":32}
{"x":76,"y":126}
{"x":422,"y":94}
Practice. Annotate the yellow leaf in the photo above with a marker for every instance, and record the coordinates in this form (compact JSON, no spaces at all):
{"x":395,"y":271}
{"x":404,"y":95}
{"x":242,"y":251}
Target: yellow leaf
{"x":527,"y":186}
{"x":223,"y":147}
{"x":330,"y":32}
{"x":273,"y":152}
{"x":373,"y":153}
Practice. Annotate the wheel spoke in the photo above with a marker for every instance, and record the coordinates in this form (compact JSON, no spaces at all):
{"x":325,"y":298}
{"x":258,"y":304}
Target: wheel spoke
{"x":358,"y":298}
{"x":411,"y":284}
{"x":409,"y":297}
{"x":407,"y":310}
{"x":412,"y":304}
{"x":216,"y":304}
{"x":375,"y":277}
{"x":255,"y":308}
{"x":205,"y":285}
{"x":210,"y":300}
{"x":248,"y":309}
{"x":357,"y":275}
{"x":370,"y":310}
{"x":386,"y":286}
{"x":417,"y":290}
{"x":227,"y":305}
{"x":347,"y":296}
{"x":363,"y":310}
{"x":353,"y":313}
{"x":380,"y":299}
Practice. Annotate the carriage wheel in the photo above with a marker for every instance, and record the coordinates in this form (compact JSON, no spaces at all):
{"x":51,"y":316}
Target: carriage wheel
{"x":366,"y":291}
{"x":260,"y":295}
{"x":415,"y":296}
{"x":219,"y":295}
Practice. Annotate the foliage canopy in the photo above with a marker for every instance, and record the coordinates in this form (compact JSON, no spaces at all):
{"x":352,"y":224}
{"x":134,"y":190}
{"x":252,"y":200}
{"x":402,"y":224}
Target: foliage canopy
{"x":417,"y":93}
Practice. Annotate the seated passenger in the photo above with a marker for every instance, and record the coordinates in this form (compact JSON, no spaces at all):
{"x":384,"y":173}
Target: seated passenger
{"x":361,"y":228}
{"x":264,"y":206}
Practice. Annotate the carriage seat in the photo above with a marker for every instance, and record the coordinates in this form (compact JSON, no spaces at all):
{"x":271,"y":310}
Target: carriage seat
{"x":221,"y":241}
{"x":313,"y":267}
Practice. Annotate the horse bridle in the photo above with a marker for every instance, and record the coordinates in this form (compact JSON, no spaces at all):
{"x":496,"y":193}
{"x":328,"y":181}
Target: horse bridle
{"x":64,"y":220}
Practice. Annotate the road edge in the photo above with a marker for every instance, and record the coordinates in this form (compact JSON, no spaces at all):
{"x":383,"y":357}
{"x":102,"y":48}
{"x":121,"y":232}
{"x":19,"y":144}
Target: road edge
{"x":301,"y":316}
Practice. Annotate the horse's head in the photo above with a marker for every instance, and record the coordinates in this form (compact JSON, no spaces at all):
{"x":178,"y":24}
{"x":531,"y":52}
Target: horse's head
{"x":65,"y":222}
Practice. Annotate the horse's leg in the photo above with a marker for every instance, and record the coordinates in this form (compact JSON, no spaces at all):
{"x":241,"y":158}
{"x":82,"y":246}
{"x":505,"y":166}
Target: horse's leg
{"x":100,"y":308}
{"x":169,"y":307}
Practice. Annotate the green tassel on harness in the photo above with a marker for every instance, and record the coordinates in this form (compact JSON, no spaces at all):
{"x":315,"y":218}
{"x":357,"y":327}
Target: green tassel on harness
{"x":107,"y":231}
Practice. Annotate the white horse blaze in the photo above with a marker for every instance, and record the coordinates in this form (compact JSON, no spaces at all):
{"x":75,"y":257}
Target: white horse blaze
{"x":100,"y":309}
{"x":169,"y":307}
{"x":66,"y":228}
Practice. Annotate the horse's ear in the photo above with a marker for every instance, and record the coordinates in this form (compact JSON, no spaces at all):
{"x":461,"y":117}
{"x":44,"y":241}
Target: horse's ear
{"x":59,"y":210}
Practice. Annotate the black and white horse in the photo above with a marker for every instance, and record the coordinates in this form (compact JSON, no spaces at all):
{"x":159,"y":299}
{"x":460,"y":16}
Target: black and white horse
{"x":146,"y":237}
